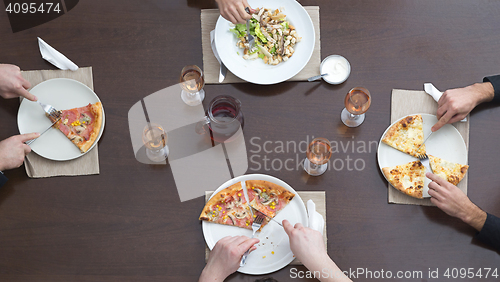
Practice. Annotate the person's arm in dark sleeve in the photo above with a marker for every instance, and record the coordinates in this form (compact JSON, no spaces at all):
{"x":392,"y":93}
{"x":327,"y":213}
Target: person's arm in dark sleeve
{"x":495,"y":81}
{"x":3,"y":179}
{"x":490,"y":233}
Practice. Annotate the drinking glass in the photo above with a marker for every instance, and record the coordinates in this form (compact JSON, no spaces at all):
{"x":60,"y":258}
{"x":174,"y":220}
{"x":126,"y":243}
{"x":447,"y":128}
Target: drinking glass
{"x":155,"y":140}
{"x":356,"y":102}
{"x":318,"y":154}
{"x":223,"y":119}
{"x":192,"y":81}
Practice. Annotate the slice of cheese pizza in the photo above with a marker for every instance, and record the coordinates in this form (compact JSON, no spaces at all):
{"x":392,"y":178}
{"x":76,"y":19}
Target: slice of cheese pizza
{"x":452,"y":172}
{"x":408,"y":178}
{"x":407,"y":135}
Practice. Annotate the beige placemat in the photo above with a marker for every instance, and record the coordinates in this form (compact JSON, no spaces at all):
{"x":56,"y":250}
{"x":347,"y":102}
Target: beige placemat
{"x":39,"y":167}
{"x":211,"y":65}
{"x":318,"y":198}
{"x":407,"y":102}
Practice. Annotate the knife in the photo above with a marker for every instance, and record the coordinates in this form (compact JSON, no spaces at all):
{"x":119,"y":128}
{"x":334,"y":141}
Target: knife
{"x":29,"y":142}
{"x":222,"y":69}
{"x":269,"y":217}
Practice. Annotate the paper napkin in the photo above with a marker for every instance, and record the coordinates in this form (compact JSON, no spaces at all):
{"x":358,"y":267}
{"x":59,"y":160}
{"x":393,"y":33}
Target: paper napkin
{"x":55,"y":57}
{"x":430,"y":89}
{"x":316,"y":220}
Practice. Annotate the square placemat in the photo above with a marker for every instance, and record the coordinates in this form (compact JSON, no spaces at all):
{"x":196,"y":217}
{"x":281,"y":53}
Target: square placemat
{"x":39,"y":167}
{"x":211,"y":65}
{"x":407,"y":102}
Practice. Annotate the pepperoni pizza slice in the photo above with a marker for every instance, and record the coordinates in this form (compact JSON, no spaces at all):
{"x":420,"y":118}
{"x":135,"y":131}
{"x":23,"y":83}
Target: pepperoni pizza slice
{"x":82,"y":125}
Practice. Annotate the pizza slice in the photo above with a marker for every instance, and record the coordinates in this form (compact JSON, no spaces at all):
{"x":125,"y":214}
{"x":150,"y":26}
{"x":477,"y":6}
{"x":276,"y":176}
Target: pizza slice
{"x":408,"y":178}
{"x":407,"y":135}
{"x":228,"y":207}
{"x":452,"y":172}
{"x":267,"y":197}
{"x":82,"y":125}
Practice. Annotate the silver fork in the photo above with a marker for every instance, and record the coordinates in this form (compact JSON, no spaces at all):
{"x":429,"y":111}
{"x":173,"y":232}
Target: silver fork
{"x":251,"y":40}
{"x":424,"y":159}
{"x":255,"y":226}
{"x":33,"y":140}
{"x":50,"y":111}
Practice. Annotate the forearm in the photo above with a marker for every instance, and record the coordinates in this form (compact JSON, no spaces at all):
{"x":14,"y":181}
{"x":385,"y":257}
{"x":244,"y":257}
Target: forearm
{"x":330,"y":272}
{"x":208,"y":276}
{"x":474,"y":216}
{"x":483,"y":92}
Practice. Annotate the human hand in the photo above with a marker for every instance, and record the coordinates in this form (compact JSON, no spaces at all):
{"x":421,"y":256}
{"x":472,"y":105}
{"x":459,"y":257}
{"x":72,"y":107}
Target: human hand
{"x":456,"y":104}
{"x":12,"y":83}
{"x":454,"y":202}
{"x":307,"y":244}
{"x":234,"y":10}
{"x":13,"y":150}
{"x":225,"y":257}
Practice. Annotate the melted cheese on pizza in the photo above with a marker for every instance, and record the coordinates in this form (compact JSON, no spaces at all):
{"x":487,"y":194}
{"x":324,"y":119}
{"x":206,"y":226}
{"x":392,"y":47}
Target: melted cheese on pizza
{"x":408,"y":178}
{"x":452,"y":172}
{"x":406,"y":135}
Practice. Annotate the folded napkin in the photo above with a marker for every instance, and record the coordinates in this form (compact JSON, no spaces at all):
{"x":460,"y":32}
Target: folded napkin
{"x":316,"y":220}
{"x":407,"y":102}
{"x":211,"y":65}
{"x":39,"y":167}
{"x":55,"y":57}
{"x":430,"y":89}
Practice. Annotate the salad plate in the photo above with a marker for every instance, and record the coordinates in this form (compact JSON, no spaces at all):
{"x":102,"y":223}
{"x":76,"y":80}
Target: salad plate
{"x":256,"y":71}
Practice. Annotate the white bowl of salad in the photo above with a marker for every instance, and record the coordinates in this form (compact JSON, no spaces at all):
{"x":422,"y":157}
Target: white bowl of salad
{"x":284,"y":42}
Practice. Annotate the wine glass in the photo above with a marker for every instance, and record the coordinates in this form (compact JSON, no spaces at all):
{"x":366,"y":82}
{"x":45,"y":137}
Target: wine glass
{"x":192,"y":81}
{"x":155,"y":140}
{"x":356,"y":102}
{"x":318,"y":154}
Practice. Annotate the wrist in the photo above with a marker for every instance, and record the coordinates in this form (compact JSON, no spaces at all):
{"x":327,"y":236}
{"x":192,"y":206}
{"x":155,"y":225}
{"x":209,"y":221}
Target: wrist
{"x":207,"y":275}
{"x":474,"y":216}
{"x":485,"y":92}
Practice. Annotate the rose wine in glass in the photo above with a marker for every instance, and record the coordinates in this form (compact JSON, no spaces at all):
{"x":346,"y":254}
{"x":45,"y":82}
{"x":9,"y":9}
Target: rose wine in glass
{"x":356,"y":102}
{"x":155,"y":141}
{"x":192,"y":81}
{"x":318,"y":154}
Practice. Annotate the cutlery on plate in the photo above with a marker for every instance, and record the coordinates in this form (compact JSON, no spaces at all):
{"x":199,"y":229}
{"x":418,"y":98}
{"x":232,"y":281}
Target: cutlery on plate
{"x":257,"y":222}
{"x":50,"y":111}
{"x":316,"y":77}
{"x":251,"y":40}
{"x":269,"y":217}
{"x":424,"y":159}
{"x":29,"y":142}
{"x":222,"y":69}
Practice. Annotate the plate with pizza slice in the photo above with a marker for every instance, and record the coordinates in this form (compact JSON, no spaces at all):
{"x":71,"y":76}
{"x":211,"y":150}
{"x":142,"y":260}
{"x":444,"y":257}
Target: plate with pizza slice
{"x":81,"y":124}
{"x":397,"y":152}
{"x":227,"y":213}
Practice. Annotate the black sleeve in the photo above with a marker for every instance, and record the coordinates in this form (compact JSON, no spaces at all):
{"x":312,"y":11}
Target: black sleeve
{"x":490,"y":234}
{"x":3,"y":179}
{"x":495,"y":81}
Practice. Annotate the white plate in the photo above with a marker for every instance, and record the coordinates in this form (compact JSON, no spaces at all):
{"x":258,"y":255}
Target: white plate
{"x":272,"y":237}
{"x":446,"y":143}
{"x":256,"y":71}
{"x":61,"y":93}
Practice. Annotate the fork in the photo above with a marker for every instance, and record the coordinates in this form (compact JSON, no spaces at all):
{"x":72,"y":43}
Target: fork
{"x":255,"y":226}
{"x":424,"y":159}
{"x":251,"y":39}
{"x":50,"y":111}
{"x":33,"y":140}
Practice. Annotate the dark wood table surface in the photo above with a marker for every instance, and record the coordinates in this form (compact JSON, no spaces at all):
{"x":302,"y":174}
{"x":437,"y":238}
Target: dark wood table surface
{"x":124,"y":224}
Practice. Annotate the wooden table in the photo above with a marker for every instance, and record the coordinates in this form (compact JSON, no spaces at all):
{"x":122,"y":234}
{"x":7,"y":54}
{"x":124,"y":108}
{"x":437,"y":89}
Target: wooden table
{"x":124,"y":224}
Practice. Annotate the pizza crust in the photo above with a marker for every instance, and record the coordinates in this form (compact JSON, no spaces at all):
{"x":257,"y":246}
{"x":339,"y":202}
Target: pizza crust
{"x":96,"y":109}
{"x":217,"y":197}
{"x":451,"y":172}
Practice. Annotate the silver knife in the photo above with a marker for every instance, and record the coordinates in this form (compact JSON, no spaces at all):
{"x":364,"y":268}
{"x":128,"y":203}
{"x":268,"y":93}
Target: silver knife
{"x":222,"y":69}
{"x":268,"y":217}
{"x":33,"y":140}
